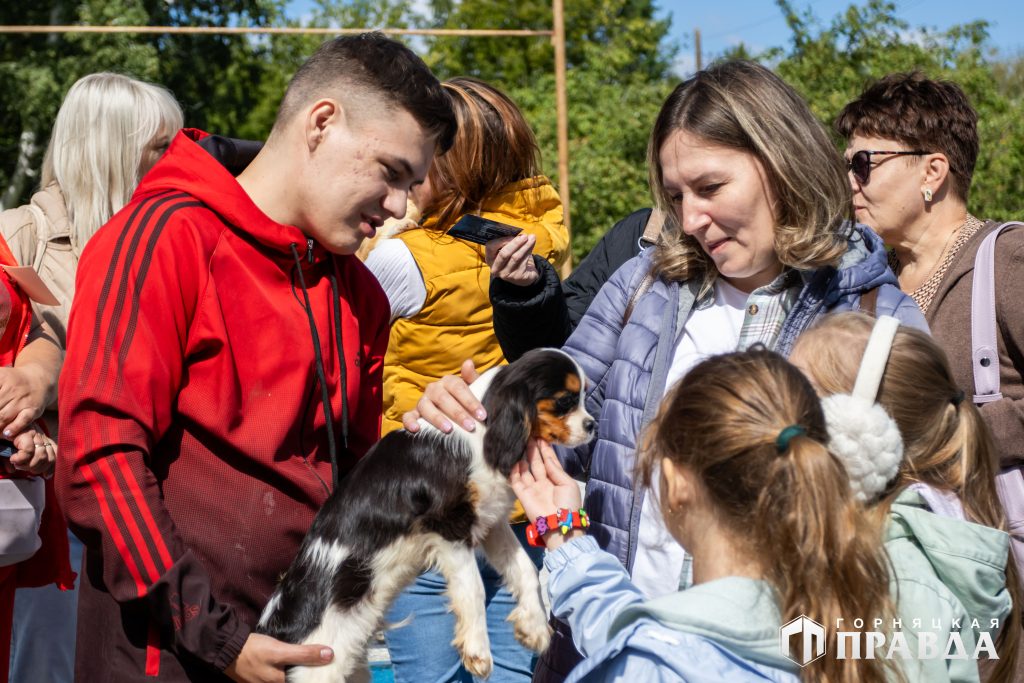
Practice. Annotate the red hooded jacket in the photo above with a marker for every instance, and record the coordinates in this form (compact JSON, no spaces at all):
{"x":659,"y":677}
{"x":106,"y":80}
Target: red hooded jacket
{"x":193,"y":437}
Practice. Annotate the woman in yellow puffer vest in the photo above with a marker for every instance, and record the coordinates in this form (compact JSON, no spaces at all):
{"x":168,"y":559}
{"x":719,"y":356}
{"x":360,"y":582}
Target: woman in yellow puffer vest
{"x":441,"y":315}
{"x":438,"y":285}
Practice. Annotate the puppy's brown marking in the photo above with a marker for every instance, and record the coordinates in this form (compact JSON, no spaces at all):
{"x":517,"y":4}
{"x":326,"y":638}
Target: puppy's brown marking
{"x":549,"y":426}
{"x":572,"y":383}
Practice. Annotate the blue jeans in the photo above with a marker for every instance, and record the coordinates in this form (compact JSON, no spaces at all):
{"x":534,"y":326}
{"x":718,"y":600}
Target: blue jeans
{"x":421,"y":652}
{"x":44,"y":631}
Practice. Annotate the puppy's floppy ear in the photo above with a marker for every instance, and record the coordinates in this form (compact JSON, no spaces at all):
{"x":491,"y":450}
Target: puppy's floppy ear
{"x":511,"y":412}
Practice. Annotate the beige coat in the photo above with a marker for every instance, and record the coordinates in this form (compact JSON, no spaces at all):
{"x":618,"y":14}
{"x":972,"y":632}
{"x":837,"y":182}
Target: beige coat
{"x":42,"y":239}
{"x":949,"y":317}
{"x":46,"y":245}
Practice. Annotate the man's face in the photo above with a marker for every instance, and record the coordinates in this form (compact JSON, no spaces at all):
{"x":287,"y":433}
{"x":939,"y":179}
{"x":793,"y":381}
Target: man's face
{"x":360,"y":170}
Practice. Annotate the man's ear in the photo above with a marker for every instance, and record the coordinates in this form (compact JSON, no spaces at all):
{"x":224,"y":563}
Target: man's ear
{"x":319,"y":118}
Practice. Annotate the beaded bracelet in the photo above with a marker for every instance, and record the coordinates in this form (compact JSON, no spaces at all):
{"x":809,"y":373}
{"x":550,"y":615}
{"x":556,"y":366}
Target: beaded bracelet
{"x":562,"y":520}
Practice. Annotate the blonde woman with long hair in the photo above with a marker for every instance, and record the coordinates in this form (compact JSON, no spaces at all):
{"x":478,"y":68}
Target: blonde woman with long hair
{"x":737,"y":462}
{"x":943,"y":524}
{"x":755,"y":248}
{"x":110,"y":130}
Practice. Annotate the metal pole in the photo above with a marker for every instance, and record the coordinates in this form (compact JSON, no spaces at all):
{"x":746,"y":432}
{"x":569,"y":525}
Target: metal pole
{"x":696,"y":47}
{"x":562,"y":110}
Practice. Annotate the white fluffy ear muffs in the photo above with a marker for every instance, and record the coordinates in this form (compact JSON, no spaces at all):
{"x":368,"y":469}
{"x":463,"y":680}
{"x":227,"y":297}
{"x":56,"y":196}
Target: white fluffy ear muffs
{"x":861,"y":434}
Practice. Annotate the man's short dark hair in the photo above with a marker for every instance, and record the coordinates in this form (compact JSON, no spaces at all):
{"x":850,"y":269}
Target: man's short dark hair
{"x":376,"y":65}
{"x":921,"y":113}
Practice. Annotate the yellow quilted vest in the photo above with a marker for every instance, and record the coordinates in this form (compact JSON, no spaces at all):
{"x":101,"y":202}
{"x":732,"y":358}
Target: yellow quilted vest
{"x":455,"y":322}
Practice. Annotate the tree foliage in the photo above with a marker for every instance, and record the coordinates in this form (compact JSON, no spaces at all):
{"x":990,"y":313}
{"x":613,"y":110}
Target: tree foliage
{"x":620,"y":70}
{"x":830,"y":64}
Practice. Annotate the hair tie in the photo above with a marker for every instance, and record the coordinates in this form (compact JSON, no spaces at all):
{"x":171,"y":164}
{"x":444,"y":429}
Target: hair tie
{"x":958,"y":398}
{"x":786,"y":435}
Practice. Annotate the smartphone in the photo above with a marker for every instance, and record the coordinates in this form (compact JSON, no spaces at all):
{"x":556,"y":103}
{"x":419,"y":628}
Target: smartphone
{"x":7,"y":448}
{"x":481,"y":230}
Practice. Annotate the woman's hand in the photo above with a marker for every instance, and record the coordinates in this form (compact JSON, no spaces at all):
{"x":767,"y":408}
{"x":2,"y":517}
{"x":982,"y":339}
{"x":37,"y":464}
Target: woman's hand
{"x":263,"y":659}
{"x":37,"y":453}
{"x":448,"y":400}
{"x":23,"y":397}
{"x":542,"y":486}
{"x":511,"y":259}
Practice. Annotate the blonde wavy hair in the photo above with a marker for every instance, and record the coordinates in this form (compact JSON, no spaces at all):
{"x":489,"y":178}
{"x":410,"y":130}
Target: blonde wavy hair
{"x":99,"y":136}
{"x":947,"y":444}
{"x":744,"y":106}
{"x":792,"y":509}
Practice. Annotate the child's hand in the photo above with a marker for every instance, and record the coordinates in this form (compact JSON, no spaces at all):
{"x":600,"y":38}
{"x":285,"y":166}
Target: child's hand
{"x":542,"y":486}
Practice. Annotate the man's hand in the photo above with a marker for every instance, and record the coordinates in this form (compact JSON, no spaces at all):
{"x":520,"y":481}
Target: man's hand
{"x":448,"y":400}
{"x":511,"y":259}
{"x":542,"y":486}
{"x":263,"y":659}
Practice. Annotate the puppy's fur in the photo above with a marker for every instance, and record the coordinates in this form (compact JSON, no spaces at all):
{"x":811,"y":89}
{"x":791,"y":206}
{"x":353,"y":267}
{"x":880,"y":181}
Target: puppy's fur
{"x":425,"y":500}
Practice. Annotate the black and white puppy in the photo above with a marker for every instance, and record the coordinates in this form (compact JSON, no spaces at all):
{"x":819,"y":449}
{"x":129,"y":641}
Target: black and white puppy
{"x":429,"y":500}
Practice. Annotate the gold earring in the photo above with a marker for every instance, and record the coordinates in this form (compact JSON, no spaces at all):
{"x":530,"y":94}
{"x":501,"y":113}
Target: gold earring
{"x":927,"y":194}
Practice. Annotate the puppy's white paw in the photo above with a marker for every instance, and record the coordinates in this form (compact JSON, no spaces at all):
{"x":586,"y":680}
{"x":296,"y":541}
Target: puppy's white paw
{"x":530,"y":624}
{"x":476,"y":654}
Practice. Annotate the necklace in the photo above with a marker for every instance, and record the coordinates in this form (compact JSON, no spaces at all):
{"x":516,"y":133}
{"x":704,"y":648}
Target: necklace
{"x":926,"y":291}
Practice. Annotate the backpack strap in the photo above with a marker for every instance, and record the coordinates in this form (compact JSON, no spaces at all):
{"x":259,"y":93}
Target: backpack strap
{"x":638,"y":293}
{"x":655,"y":222}
{"x":869,"y":302}
{"x":42,"y":236}
{"x":985,"y":351}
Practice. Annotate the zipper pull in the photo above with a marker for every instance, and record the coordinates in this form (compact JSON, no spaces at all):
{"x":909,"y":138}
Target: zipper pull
{"x":309,"y":249}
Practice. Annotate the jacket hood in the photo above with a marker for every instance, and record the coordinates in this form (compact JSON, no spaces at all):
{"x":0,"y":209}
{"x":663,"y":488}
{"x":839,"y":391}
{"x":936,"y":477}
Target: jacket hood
{"x":531,"y":200}
{"x":740,"y":614}
{"x":969,"y":559}
{"x":864,"y":266}
{"x":195,"y":164}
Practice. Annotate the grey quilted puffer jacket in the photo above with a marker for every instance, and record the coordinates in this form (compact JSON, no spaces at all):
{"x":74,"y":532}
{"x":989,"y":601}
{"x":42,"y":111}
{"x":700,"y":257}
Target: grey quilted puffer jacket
{"x":627,"y":366}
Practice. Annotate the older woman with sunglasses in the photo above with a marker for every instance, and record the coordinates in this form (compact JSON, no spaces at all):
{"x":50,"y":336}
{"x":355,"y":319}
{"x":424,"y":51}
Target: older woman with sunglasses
{"x":911,"y":147}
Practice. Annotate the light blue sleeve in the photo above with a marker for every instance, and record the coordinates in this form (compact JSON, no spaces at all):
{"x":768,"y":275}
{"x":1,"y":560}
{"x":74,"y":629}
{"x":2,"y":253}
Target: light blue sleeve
{"x":588,"y":589}
{"x":629,"y":665}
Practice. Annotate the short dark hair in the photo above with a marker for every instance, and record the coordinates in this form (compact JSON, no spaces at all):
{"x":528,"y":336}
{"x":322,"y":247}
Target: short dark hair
{"x":377,"y":65}
{"x":921,"y":113}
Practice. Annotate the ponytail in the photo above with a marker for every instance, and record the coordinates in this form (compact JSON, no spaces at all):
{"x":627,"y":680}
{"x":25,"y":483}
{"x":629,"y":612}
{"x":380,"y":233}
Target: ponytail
{"x":750,"y":426}
{"x":822,"y":554}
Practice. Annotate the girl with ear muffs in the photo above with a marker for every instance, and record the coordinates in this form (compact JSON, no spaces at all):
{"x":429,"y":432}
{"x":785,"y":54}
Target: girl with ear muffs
{"x":934,"y":501}
{"x":736,"y":460}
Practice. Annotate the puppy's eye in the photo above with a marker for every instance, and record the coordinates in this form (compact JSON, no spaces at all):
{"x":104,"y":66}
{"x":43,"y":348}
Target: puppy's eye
{"x":566,"y":403}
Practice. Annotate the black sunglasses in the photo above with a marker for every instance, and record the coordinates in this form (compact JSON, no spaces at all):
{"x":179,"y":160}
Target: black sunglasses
{"x":860,"y":163}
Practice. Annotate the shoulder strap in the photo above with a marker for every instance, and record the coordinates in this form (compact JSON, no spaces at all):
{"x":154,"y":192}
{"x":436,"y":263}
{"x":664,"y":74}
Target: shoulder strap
{"x":41,"y":234}
{"x":985,"y":349}
{"x":869,"y":302}
{"x":638,"y":293}
{"x":655,"y":222}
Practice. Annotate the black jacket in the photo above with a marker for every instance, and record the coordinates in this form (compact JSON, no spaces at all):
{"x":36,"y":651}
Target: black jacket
{"x":546,"y":313}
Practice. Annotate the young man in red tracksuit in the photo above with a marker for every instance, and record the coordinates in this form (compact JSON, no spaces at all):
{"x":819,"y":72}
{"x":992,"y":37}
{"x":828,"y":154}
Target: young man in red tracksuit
{"x":224,"y":367}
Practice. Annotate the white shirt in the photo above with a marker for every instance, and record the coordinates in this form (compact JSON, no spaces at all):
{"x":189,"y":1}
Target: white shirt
{"x":659,"y":561}
{"x":394,"y":266}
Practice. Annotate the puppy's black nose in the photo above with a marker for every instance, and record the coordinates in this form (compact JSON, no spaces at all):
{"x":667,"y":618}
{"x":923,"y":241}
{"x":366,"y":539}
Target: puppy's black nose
{"x":589,"y":425}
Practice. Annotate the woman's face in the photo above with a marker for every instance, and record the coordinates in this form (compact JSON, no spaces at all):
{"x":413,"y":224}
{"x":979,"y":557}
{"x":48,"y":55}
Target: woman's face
{"x":891,"y":199}
{"x":722,"y":199}
{"x":153,"y":150}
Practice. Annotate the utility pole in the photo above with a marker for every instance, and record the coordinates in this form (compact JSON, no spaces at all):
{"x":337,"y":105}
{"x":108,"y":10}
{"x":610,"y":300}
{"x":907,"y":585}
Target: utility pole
{"x":696,"y":48}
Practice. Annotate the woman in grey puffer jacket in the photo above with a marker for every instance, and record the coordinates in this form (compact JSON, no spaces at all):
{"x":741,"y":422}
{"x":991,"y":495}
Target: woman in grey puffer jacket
{"x":757,"y":248}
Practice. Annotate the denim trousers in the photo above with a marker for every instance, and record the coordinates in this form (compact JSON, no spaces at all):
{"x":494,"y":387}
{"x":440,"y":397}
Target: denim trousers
{"x":422,"y":652}
{"x":45,"y":629}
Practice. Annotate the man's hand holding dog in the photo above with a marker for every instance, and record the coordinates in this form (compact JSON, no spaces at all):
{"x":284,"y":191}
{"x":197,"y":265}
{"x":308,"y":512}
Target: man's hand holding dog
{"x":263,"y":659}
{"x":448,"y":401}
{"x":511,"y":259}
{"x":542,"y":486}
